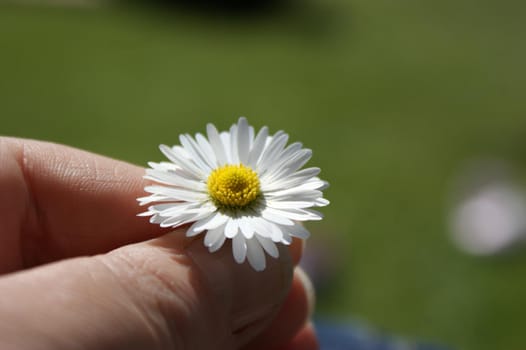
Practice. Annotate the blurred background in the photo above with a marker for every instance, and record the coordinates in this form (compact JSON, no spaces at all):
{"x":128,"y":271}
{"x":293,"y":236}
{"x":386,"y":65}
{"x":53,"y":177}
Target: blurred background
{"x":415,"y":110}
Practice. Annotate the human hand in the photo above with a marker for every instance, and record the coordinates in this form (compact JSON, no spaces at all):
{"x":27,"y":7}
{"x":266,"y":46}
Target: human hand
{"x":74,"y":276}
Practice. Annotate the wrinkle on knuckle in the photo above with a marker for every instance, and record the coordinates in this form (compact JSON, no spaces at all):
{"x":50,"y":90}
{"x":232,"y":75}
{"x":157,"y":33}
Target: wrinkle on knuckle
{"x":142,"y":304}
{"x":177,"y":290}
{"x":164,"y":289}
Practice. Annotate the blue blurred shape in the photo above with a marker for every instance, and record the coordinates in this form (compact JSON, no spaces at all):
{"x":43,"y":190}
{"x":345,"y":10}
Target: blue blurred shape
{"x":355,"y":336}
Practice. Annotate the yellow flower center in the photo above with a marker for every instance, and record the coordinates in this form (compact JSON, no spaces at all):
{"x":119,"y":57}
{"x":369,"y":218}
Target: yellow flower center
{"x":233,"y":186}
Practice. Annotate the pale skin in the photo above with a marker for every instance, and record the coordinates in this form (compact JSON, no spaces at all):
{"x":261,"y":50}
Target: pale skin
{"x":79,"y":269}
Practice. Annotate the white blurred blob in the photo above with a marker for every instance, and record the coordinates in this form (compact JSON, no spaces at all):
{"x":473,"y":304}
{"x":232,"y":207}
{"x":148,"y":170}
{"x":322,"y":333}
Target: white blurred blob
{"x":491,"y":216}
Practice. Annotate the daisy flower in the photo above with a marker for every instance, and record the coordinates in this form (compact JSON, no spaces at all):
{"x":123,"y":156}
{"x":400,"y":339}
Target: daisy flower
{"x":236,"y":185}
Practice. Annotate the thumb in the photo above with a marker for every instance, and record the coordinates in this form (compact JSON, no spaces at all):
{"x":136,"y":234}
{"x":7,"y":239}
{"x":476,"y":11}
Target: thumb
{"x":167,"y":293}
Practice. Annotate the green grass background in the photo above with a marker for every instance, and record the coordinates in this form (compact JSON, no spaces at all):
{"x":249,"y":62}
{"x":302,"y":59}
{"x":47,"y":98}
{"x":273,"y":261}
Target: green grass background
{"x":393,"y":97}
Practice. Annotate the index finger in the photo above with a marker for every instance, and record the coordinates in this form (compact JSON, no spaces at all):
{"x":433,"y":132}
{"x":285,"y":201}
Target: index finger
{"x":77,"y":203}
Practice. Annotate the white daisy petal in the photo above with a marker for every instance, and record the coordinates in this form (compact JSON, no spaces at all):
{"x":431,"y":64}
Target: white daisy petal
{"x":310,"y":195}
{"x":207,"y":150}
{"x":243,"y":140}
{"x":289,"y":204}
{"x":157,"y":208}
{"x":308,"y":186}
{"x":257,"y":147}
{"x":239,"y":248}
{"x":173,"y":179}
{"x":270,"y":229}
{"x":321,"y":202}
{"x":174,"y":210}
{"x":195,"y":152}
{"x":184,"y":163}
{"x":251,"y":134}
{"x":212,"y":236}
{"x":255,"y":254}
{"x":218,"y":243}
{"x":285,"y":157}
{"x":211,"y":222}
{"x":198,"y":216}
{"x":231,"y":228}
{"x":290,"y":151}
{"x":164,"y":166}
{"x":276,"y":216}
{"x":181,"y":152}
{"x":271,"y":152}
{"x":286,"y":238}
{"x":216,"y":220}
{"x":234,"y":154}
{"x":186,"y":217}
{"x":297,"y":161}
{"x":217,"y":144}
{"x":181,"y":194}
{"x":175,"y":221}
{"x":276,"y":232}
{"x":152,"y":199}
{"x":156,"y":219}
{"x":237,"y":184}
{"x":324,"y":186}
{"x":298,"y":214}
{"x":309,"y":172}
{"x":298,"y":231}
{"x":260,"y":227}
{"x":226,"y":139}
{"x":246,"y":228}
{"x":193,"y":231}
{"x":294,"y":180}
{"x":268,"y":245}
{"x":149,"y":199}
